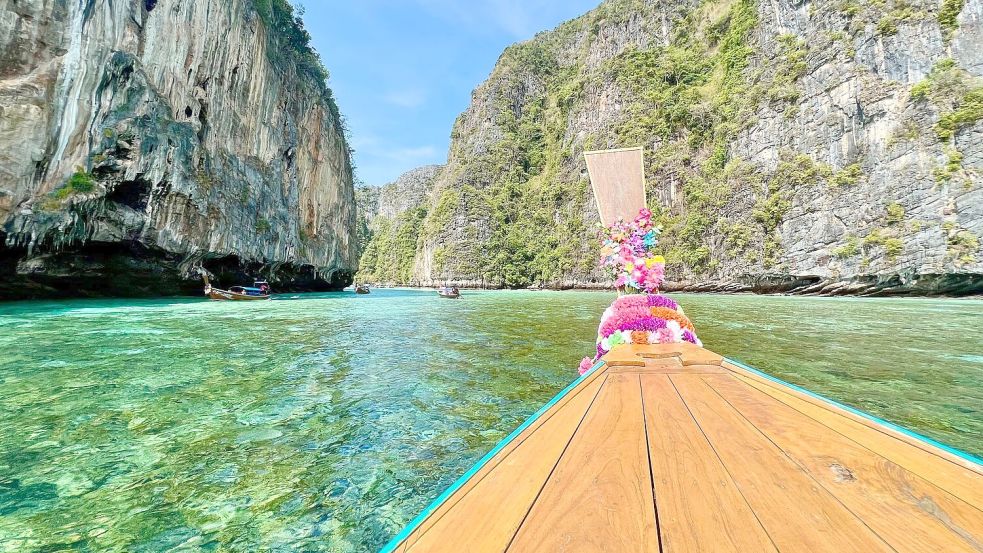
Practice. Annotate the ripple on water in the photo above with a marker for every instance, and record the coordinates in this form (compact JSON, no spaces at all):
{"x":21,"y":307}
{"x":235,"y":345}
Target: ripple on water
{"x":325,"y":422}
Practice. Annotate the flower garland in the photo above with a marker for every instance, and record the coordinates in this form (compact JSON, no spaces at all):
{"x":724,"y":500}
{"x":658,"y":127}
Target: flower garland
{"x":638,"y":318}
{"x":627,"y":254}
{"x":641,"y":319}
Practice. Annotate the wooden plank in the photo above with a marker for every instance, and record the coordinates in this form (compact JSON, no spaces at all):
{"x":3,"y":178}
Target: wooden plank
{"x":638,"y":355}
{"x":724,"y":443}
{"x":689,"y":354}
{"x":795,"y":511}
{"x":624,"y":356}
{"x":700,"y":508}
{"x":488,"y":514}
{"x":599,"y":498}
{"x":594,"y":379}
{"x":908,"y":512}
{"x":617,"y":178}
{"x":649,"y":364}
{"x":695,"y":355}
{"x":917,"y":458}
{"x":685,"y":352}
{"x":651,"y":351}
{"x":864,"y":421}
{"x":669,"y":369}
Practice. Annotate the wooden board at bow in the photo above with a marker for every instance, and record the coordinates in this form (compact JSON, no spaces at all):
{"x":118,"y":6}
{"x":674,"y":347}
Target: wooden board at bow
{"x":617,"y":178}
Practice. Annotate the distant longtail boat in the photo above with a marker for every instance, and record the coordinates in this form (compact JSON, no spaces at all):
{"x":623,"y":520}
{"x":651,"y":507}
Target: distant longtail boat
{"x":260,"y":290}
{"x":450,"y":292}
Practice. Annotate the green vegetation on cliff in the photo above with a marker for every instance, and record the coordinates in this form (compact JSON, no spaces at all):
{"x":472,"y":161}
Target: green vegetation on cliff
{"x":958,"y":96}
{"x":291,"y":41}
{"x":715,"y":91}
{"x":389,"y":256}
{"x":691,"y":96}
{"x":80,"y":182}
{"x":686,"y":101}
{"x":948,"y":14}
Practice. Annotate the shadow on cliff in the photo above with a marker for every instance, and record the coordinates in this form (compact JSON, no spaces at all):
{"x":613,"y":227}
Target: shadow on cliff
{"x":130,"y":269}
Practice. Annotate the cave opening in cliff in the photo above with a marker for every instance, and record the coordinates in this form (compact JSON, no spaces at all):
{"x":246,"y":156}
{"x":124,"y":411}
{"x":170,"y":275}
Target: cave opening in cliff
{"x":134,"y":193}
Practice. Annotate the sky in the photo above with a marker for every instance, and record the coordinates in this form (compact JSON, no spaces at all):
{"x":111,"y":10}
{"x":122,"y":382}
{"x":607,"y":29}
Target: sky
{"x":403,"y":70}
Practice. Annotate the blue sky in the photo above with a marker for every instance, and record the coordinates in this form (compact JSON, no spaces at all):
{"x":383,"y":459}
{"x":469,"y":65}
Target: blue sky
{"x":402,"y":70}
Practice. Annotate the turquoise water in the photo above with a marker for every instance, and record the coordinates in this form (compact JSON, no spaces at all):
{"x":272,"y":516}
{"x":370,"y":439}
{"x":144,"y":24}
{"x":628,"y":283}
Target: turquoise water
{"x":326,"y":422}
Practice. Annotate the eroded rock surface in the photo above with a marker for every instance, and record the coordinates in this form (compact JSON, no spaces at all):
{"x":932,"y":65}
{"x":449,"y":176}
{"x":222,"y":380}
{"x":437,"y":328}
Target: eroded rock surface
{"x":141,"y":140}
{"x":390,"y":224}
{"x":828,"y":146}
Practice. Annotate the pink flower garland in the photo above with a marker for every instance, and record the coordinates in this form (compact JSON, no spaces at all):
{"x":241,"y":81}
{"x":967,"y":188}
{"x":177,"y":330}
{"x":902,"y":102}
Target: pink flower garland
{"x":638,"y":318}
{"x":641,"y":319}
{"x":626,"y":252}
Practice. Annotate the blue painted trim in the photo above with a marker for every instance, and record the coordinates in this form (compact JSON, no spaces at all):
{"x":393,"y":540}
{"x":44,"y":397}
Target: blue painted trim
{"x":393,"y":543}
{"x":868,"y":416}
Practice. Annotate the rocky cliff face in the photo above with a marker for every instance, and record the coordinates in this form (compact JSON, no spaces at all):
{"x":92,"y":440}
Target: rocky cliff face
{"x":140,"y":139}
{"x":390,"y":219}
{"x":805,"y":146}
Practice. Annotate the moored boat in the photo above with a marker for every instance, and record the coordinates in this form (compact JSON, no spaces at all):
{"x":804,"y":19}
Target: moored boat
{"x":260,"y":290}
{"x":451,"y":292}
{"x":361,"y":288}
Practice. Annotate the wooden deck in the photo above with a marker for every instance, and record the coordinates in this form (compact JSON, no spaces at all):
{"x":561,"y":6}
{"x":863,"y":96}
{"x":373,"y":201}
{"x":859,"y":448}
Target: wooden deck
{"x":672,"y":448}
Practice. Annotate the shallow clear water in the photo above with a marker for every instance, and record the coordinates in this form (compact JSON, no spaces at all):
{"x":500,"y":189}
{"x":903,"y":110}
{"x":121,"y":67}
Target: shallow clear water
{"x":326,"y":422}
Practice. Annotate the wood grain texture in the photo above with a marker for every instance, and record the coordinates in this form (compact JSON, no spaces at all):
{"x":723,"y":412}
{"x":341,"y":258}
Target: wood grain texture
{"x":877,"y":490}
{"x":699,"y":507}
{"x":865,"y":421}
{"x":589,"y":385}
{"x":489,"y":513}
{"x":623,"y":356}
{"x":953,"y":477}
{"x":730,"y":461}
{"x":678,"y":369}
{"x":795,"y":511}
{"x":683,"y":353}
{"x":599,"y":498}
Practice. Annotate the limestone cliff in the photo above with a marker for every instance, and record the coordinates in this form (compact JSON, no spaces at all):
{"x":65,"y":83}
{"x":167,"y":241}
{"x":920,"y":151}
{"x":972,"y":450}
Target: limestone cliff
{"x":140,"y":139}
{"x":391,"y":220}
{"x":824,"y":146}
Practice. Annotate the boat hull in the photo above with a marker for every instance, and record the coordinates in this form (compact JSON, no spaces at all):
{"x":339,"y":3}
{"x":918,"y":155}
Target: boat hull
{"x":730,"y":459}
{"x":225,"y":295}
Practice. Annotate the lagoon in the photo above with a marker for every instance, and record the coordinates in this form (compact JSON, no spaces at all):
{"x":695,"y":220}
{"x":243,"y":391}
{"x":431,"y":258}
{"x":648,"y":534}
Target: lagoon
{"x":325,"y":422}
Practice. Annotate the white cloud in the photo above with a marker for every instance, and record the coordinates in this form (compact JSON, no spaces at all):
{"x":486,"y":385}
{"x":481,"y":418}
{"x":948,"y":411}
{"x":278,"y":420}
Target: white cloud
{"x":406,"y":98}
{"x":412,"y":155}
{"x":363,"y":140}
{"x":515,"y":17}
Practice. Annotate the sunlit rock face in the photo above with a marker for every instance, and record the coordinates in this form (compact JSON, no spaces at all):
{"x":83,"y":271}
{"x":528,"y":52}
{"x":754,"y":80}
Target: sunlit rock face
{"x":787,"y":148}
{"x":390,"y":219}
{"x":142,"y":139}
